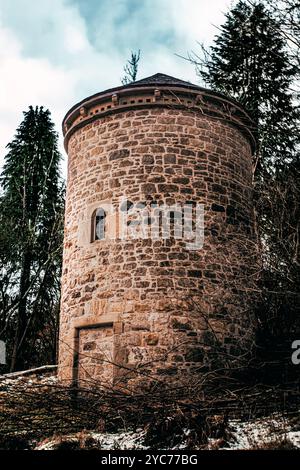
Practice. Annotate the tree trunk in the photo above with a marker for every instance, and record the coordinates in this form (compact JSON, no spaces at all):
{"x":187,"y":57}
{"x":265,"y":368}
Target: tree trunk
{"x":16,"y":360}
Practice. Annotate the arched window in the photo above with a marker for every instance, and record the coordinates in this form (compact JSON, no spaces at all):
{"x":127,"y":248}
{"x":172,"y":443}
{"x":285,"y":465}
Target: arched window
{"x":98,"y":225}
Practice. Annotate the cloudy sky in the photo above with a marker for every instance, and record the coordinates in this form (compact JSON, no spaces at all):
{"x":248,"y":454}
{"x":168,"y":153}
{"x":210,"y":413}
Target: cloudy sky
{"x":56,"y":52}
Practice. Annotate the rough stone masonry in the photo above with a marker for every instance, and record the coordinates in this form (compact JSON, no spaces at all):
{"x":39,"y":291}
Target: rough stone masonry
{"x":142,"y":308}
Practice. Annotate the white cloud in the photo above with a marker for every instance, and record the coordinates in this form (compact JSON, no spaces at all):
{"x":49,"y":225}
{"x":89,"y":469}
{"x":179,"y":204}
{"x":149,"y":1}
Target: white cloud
{"x":196,"y":19}
{"x":29,"y":81}
{"x":40,"y":80}
{"x":52,"y":55}
{"x":75,"y":41}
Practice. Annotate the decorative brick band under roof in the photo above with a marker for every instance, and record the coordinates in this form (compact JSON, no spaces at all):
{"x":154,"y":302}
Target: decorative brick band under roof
{"x":163,"y":91}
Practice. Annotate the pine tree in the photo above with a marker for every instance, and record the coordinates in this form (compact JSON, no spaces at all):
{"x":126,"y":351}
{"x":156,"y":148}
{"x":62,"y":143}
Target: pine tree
{"x":131,"y":68}
{"x":32,"y":217}
{"x":249,"y":62}
{"x":287,"y":13}
{"x":252,"y":62}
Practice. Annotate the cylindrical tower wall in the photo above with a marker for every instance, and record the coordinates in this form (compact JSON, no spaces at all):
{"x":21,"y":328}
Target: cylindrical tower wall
{"x":152,"y":307}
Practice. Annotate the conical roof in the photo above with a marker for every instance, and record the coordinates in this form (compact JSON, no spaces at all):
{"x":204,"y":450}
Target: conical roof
{"x":108,"y":101}
{"x":162,"y":79}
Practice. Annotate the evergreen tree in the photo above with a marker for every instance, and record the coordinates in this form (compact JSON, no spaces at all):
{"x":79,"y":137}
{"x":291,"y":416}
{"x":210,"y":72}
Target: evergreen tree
{"x":250,"y":63}
{"x":131,"y":68}
{"x":31,"y":225}
{"x":287,"y":13}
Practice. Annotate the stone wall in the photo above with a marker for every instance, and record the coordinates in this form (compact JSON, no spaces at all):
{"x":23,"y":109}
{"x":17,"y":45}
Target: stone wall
{"x":168,"y":310}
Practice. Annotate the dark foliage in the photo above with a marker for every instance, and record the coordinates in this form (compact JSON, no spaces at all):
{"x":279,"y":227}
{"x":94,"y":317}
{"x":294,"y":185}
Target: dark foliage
{"x":31,"y":229}
{"x":255,"y":59}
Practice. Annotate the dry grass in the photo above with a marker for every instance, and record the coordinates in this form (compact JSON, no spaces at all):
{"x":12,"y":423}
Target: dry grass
{"x":30,"y":413}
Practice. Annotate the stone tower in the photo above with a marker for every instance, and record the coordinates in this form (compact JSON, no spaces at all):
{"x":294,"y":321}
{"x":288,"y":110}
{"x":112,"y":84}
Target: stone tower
{"x":140,"y":306}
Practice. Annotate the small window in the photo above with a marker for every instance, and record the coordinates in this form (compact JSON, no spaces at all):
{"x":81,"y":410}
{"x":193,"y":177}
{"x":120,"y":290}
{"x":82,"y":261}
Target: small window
{"x":98,"y":225}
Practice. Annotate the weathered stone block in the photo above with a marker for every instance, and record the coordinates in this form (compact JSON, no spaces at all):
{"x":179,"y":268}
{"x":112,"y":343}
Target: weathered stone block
{"x":151,"y":339}
{"x":118,"y":154}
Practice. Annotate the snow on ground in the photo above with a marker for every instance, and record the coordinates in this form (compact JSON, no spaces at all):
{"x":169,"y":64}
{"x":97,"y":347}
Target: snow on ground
{"x":254,"y":433}
{"x":251,"y":434}
{"x":244,"y":435}
{"x":105,"y":441}
{"x":50,"y":380}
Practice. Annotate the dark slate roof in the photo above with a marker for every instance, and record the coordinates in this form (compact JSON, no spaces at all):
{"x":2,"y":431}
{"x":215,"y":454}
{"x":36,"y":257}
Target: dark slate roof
{"x":162,"y":79}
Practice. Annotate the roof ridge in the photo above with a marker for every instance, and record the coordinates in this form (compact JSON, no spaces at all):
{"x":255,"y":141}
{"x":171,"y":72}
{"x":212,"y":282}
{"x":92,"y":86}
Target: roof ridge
{"x":162,"y":78}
